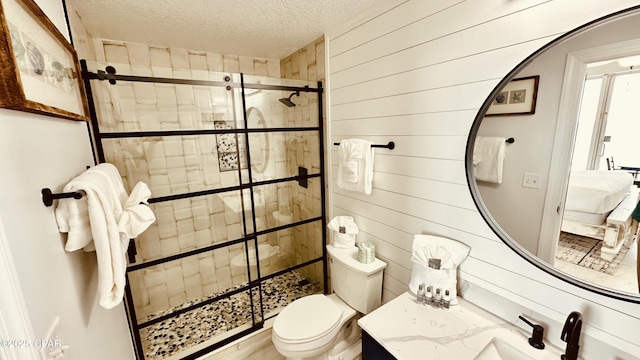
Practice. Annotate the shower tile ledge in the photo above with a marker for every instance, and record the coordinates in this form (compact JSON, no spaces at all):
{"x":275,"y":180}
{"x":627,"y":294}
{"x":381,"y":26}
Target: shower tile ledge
{"x":409,"y":330}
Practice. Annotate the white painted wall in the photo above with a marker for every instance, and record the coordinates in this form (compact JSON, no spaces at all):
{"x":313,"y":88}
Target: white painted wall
{"x":416,"y":72}
{"x":36,"y":152}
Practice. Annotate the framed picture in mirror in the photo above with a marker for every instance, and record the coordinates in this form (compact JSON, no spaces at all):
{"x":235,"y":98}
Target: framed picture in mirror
{"x":39,"y":67}
{"x":518,"y":97}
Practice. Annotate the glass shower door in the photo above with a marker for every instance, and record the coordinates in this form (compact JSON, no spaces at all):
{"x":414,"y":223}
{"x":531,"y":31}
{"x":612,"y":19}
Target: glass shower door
{"x":237,"y":235}
{"x":285,"y":135}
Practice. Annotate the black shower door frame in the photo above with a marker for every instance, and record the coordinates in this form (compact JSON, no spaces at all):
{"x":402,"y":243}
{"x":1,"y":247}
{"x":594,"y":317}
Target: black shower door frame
{"x":250,"y":235}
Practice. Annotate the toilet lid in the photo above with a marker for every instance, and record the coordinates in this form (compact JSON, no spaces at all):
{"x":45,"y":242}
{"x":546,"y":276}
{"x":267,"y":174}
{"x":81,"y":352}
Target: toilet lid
{"x":307,"y":318}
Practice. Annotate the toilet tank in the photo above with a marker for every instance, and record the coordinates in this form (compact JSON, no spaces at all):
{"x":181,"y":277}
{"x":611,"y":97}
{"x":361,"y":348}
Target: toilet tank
{"x":357,"y":284}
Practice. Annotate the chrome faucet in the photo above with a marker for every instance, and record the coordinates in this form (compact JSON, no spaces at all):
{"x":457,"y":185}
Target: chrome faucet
{"x":571,"y":335}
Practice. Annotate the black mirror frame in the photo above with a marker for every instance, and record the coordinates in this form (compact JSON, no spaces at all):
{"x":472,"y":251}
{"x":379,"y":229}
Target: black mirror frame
{"x":475,"y":194}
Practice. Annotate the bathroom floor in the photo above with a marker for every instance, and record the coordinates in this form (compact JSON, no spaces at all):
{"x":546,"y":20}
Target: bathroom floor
{"x":182,"y":332}
{"x":619,"y":275}
{"x":585,"y":252}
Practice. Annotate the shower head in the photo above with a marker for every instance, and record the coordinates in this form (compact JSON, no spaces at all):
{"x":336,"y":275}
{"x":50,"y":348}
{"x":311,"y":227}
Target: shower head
{"x":287,"y":101}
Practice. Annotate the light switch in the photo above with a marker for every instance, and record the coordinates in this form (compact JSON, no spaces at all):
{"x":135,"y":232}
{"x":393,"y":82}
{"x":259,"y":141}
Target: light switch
{"x":531,"y":180}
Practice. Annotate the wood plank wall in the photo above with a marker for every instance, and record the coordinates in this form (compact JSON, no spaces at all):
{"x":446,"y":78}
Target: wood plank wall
{"x":416,"y":72}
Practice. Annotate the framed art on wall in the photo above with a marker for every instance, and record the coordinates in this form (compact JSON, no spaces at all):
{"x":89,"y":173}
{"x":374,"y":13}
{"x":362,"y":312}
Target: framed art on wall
{"x":39,"y":67}
{"x":517,"y":98}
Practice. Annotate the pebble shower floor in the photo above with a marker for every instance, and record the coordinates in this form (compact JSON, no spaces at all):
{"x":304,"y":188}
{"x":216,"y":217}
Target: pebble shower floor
{"x":174,"y":335}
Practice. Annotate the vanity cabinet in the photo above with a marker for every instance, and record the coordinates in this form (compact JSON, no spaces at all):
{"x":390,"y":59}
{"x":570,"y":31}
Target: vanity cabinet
{"x":372,"y":350}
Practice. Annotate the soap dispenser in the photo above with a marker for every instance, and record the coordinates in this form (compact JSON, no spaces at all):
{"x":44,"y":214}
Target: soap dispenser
{"x":536,"y":337}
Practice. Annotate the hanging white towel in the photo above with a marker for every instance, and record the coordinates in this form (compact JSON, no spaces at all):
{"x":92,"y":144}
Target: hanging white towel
{"x":103,"y":221}
{"x":488,"y":158}
{"x":73,"y":219}
{"x":350,"y":154}
{"x":355,"y":167}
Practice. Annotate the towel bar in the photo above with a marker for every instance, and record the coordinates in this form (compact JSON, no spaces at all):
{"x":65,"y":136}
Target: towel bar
{"x":391,"y":145}
{"x":48,"y":196}
{"x":510,"y":140}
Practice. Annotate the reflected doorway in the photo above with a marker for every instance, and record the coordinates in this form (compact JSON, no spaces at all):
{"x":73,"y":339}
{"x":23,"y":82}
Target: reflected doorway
{"x":605,"y":140}
{"x":607,"y":126}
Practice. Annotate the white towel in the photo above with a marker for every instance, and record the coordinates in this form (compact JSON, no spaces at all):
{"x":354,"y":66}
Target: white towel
{"x":350,"y":153}
{"x":103,"y":221}
{"x":488,"y":158}
{"x":355,"y":168}
{"x":450,"y":253}
{"x":73,"y":219}
{"x":344,"y":231}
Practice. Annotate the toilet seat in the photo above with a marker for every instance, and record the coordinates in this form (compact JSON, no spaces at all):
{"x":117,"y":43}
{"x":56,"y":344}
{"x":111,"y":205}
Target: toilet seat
{"x":307,"y":319}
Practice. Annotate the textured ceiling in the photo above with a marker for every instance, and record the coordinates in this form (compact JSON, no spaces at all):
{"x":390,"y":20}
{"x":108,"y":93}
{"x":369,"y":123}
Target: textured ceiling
{"x":259,"y":28}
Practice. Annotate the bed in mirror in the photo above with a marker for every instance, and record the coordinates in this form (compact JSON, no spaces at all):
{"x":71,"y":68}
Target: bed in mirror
{"x":563,"y":193}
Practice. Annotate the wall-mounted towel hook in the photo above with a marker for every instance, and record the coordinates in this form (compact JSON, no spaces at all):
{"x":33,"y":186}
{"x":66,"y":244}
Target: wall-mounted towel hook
{"x":510,"y":140}
{"x":391,"y":145}
{"x":48,"y":196}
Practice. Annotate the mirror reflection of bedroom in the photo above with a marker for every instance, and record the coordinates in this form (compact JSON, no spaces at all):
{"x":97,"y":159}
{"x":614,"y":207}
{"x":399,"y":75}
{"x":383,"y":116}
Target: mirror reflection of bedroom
{"x":597,"y":229}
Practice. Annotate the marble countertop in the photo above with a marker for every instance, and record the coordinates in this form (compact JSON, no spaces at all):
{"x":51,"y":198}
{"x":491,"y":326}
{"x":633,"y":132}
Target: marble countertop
{"x":409,"y":330}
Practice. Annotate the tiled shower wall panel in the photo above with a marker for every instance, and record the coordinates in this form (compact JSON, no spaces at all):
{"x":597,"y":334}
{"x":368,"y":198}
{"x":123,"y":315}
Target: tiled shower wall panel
{"x":178,"y":59}
{"x":308,"y":63}
{"x":162,"y":287}
{"x":309,"y":249}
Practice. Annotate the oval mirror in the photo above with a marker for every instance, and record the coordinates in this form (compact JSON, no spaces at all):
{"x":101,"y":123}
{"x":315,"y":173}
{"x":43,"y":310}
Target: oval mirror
{"x":551,"y":158}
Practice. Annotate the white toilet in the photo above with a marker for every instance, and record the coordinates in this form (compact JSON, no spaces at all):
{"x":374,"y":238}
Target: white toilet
{"x":324,"y":326}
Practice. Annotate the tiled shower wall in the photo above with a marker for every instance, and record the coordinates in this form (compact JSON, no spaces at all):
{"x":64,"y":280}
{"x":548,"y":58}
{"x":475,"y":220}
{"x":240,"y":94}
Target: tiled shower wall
{"x":308,"y":63}
{"x":177,"y":165}
{"x":145,"y":56}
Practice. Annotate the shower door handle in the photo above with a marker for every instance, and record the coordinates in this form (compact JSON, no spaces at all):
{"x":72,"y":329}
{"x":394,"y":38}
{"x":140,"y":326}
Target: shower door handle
{"x":132,"y":251}
{"x":302,"y":177}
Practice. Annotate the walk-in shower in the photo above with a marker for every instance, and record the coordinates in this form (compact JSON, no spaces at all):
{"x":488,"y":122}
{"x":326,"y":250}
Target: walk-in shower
{"x":237,"y":186}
